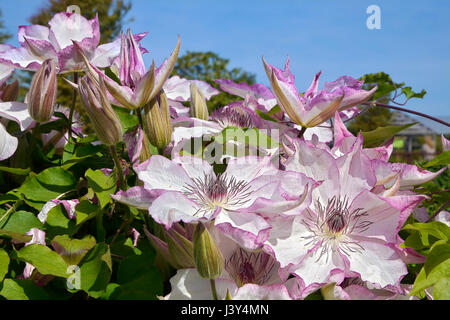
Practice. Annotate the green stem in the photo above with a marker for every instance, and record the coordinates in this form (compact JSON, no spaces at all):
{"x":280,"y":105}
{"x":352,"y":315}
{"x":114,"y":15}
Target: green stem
{"x":445,"y":205}
{"x":12,"y":209}
{"x":100,"y":228}
{"x":72,"y":107}
{"x":302,"y":131}
{"x":113,"y":151}
{"x":139,"y":115}
{"x":213,"y":289}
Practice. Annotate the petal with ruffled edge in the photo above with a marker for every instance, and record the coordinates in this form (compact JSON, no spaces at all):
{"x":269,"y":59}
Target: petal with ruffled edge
{"x":317,"y":164}
{"x":317,"y":268}
{"x":187,"y":284}
{"x":172,"y":206}
{"x":377,"y":263}
{"x":18,"y":112}
{"x":138,"y":197}
{"x":246,"y":228}
{"x":66,"y":27}
{"x":290,"y":196}
{"x":8,"y":144}
{"x":268,"y":292}
{"x":356,"y":172}
{"x":351,"y":87}
{"x":288,"y":241}
{"x":158,"y":172}
{"x":250,"y":167}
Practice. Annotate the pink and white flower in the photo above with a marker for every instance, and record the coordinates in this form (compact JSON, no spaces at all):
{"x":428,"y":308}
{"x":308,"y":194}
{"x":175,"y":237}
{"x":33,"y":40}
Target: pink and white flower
{"x":235,"y":200}
{"x":348,"y":230}
{"x":314,"y":106}
{"x":39,"y":43}
{"x":247,"y":275}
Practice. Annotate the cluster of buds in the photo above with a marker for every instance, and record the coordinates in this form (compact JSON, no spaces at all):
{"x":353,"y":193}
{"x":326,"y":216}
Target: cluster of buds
{"x":190,"y":246}
{"x":42,"y":95}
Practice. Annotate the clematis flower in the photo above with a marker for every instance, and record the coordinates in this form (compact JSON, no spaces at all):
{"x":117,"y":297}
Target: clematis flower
{"x":348,"y":230}
{"x":39,"y":43}
{"x":236,"y":200}
{"x":385,"y":172}
{"x":137,"y":85}
{"x":247,"y":275}
{"x":314,"y":106}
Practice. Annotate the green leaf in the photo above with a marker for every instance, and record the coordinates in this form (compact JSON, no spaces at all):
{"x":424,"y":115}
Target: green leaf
{"x":85,"y":211}
{"x":441,"y":289}
{"x":16,"y":236}
{"x":58,"y":223}
{"x":436,"y":229}
{"x":441,"y":159}
{"x":409,"y":93}
{"x":16,"y":171}
{"x":248,"y":137}
{"x":15,"y":289}
{"x":4,"y":263}
{"x":44,"y":260}
{"x":439,"y":254}
{"x":95,"y":270}
{"x":102,"y":185}
{"x":47,"y":185}
{"x":146,"y":287}
{"x":127,"y":120}
{"x":74,"y":154}
{"x":20,"y":222}
{"x":72,"y":250}
{"x":380,"y":135}
{"x":436,"y":267}
{"x":133,"y":267}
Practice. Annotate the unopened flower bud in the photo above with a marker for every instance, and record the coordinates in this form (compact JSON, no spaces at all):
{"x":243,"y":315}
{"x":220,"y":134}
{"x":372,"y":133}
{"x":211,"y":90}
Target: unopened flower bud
{"x":105,"y":121}
{"x":199,"y":109}
{"x":207,"y":256}
{"x":9,"y":92}
{"x":157,"y":124}
{"x":180,"y":249}
{"x":42,"y":95}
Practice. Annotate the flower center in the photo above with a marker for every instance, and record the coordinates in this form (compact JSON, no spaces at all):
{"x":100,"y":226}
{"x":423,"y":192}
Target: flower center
{"x":331,"y":224}
{"x":233,"y":117}
{"x":221,"y":191}
{"x":249,"y":267}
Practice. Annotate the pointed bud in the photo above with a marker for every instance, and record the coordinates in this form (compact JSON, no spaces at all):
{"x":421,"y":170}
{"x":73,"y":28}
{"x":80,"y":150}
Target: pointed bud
{"x":207,"y":256}
{"x":180,"y":249}
{"x":42,"y":94}
{"x":95,"y":101}
{"x":199,"y":109}
{"x":228,"y":295}
{"x":157,"y":124}
{"x":9,"y":92}
{"x":329,"y":291}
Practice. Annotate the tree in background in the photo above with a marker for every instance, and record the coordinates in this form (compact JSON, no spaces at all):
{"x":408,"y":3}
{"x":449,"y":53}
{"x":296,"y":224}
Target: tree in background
{"x":208,"y":66}
{"x":4,"y":36}
{"x":375,"y":117}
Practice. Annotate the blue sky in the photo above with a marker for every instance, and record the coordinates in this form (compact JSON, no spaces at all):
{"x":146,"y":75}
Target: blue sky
{"x":413,"y":44}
